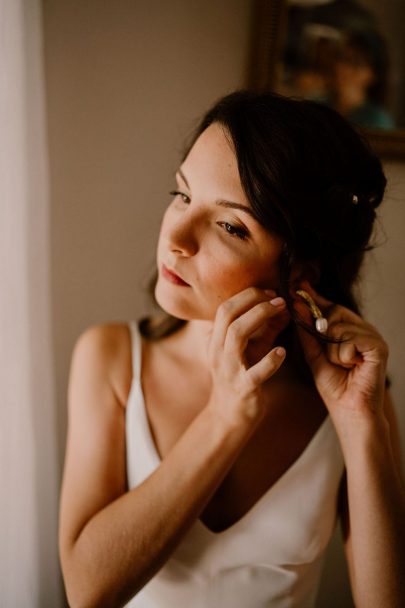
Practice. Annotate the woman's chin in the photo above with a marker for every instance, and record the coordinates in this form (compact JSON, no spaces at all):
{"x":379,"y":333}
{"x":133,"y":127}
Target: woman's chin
{"x":172,"y":306}
{"x":181,"y":310}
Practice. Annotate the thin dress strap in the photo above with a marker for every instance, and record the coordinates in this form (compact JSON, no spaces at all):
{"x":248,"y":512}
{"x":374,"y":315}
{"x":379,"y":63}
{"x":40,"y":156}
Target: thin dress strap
{"x":136,"y":349}
{"x":142,"y":457}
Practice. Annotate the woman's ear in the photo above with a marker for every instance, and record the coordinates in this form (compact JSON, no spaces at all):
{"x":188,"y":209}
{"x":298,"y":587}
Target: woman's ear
{"x":304,"y":271}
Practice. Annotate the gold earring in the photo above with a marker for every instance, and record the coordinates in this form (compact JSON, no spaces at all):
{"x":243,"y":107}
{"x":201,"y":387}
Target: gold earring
{"x":321,"y":323}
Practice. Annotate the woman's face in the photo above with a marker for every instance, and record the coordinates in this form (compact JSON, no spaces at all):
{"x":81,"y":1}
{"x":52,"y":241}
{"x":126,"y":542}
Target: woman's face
{"x":208,"y":239}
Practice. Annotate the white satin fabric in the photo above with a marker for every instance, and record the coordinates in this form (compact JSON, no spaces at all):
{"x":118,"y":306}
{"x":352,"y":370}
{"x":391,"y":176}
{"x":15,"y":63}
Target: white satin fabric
{"x":273,"y":556}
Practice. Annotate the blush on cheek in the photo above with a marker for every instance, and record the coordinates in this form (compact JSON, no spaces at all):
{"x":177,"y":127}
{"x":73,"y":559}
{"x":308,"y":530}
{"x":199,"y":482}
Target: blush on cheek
{"x":232,"y":281}
{"x":229,"y":282}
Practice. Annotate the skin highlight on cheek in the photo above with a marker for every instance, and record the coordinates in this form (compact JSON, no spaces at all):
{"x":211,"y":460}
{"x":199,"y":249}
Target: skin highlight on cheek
{"x":234,"y":280}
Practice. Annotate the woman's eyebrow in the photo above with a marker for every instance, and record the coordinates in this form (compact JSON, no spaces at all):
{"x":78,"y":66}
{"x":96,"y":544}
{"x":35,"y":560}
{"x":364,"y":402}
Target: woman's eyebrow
{"x":222,"y":202}
{"x":183,"y":177}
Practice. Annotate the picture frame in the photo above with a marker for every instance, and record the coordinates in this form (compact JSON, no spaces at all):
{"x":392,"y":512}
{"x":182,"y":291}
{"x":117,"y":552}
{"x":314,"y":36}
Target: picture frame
{"x":268,"y":35}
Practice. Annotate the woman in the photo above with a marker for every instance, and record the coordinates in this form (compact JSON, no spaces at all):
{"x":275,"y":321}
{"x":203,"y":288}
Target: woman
{"x":208,"y":459}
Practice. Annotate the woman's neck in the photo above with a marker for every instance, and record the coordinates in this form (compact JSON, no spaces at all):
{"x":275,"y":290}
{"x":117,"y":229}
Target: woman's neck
{"x":190,"y":345}
{"x":191,"y":341}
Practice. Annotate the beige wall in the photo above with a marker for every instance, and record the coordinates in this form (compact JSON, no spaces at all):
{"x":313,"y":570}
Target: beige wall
{"x":384,"y":282}
{"x":125,"y":82}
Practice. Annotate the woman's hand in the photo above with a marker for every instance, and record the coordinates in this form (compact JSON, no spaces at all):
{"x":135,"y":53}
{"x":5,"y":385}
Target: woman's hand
{"x":349,"y":376}
{"x":241,"y":353}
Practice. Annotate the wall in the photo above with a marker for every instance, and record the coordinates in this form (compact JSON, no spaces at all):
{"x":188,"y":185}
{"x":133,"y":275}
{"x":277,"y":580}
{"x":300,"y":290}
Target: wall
{"x":384,"y":282}
{"x":125,"y":83}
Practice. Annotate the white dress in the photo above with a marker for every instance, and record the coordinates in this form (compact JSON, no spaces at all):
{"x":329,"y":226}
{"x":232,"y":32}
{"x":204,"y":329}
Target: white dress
{"x":272,"y":557}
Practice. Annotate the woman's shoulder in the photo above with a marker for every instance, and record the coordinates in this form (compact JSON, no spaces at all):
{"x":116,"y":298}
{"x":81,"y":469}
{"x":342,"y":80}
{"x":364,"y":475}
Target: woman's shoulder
{"x":109,"y":346}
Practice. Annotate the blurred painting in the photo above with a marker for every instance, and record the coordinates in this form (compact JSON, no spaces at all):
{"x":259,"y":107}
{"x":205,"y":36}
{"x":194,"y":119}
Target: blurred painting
{"x":348,"y":54}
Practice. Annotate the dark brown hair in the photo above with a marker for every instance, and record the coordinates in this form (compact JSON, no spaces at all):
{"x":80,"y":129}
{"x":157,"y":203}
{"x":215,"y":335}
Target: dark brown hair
{"x":301,"y":164}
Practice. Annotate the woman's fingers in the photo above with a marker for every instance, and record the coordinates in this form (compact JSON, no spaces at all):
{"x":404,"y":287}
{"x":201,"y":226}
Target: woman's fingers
{"x":267,"y":366}
{"x":231,"y":309}
{"x":235,"y":351}
{"x":242,"y":328}
{"x":244,"y":331}
{"x":354,"y":367}
{"x":360,"y":344}
{"x":347,"y":355}
{"x":342,"y":324}
{"x":344,"y":354}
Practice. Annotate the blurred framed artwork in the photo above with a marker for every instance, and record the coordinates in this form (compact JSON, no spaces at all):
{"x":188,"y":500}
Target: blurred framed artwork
{"x":348,"y":54}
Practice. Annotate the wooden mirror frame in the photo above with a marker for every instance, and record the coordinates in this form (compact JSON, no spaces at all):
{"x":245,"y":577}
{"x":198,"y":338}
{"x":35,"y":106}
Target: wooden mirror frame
{"x":269,"y":20}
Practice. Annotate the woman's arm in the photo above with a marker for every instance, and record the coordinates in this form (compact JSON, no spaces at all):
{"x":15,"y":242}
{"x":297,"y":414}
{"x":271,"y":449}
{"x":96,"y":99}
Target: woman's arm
{"x":372,"y":515}
{"x":350,"y":377}
{"x":113,"y":541}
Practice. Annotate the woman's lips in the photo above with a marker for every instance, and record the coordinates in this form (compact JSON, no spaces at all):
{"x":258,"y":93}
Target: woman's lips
{"x":172,"y":277}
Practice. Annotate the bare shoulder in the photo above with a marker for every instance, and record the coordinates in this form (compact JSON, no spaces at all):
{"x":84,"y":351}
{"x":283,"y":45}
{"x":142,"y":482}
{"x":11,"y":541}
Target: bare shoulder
{"x":94,"y":471}
{"x":105,"y":349}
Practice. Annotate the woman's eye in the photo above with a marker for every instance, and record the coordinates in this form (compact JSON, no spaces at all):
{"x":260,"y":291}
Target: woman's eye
{"x":240,"y":233}
{"x":234,"y":231}
{"x":184,"y":197}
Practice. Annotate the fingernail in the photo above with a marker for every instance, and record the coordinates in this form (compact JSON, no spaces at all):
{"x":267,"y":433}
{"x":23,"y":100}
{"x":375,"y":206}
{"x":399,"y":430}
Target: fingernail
{"x":270,"y":292}
{"x":278,"y":302}
{"x":280,"y":351}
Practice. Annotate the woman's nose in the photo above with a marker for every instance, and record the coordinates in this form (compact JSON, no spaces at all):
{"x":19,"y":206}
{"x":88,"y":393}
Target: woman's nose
{"x":182,"y":236}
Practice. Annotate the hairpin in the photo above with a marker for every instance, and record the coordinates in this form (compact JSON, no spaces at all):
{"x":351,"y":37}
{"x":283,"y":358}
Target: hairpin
{"x":321,"y":323}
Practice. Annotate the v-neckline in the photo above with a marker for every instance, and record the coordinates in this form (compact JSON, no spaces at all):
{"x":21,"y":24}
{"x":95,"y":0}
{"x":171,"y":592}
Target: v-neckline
{"x":274,"y":487}
{"x":271,"y":490}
